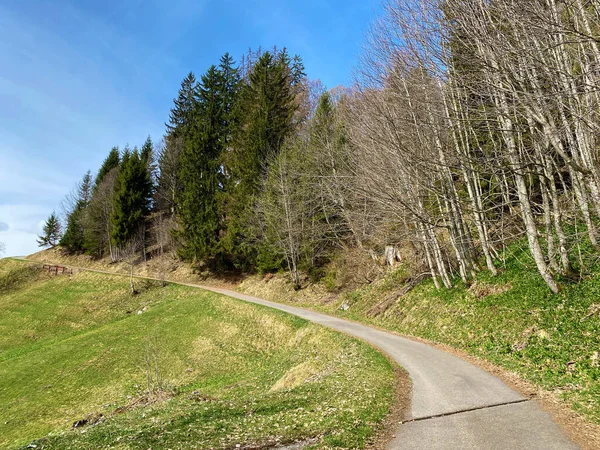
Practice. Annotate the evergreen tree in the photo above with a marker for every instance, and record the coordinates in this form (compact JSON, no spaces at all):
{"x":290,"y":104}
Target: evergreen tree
{"x":148,"y":159}
{"x":111,"y":161}
{"x":168,"y":183}
{"x":198,"y":208}
{"x":96,"y":218}
{"x":131,"y":198}
{"x":266,"y":111}
{"x":73,"y":239}
{"x":147,"y":154}
{"x":181,"y":118}
{"x":185,"y":107}
{"x":85,"y":188}
{"x":52,"y":232}
{"x":230,"y":84}
{"x":267,"y":107}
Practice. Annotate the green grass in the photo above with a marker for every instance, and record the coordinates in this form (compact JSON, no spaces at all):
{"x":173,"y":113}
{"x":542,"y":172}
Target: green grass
{"x":234,"y":373}
{"x":511,"y":320}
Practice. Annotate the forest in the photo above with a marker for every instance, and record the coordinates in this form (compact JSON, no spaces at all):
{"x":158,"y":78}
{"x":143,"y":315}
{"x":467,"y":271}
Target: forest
{"x":471,"y":125}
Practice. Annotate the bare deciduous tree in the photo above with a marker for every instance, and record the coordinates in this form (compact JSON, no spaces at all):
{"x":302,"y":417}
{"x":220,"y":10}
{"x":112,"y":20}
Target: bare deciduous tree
{"x":468,"y":112}
{"x":97,"y":223}
{"x":130,"y":254}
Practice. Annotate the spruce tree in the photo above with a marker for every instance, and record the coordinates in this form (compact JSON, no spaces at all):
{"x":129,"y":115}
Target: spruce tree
{"x":168,"y":181}
{"x":84,"y":189}
{"x":131,"y":198}
{"x":198,"y":209}
{"x":97,"y":216}
{"x":52,"y":232}
{"x":111,"y":161}
{"x":181,"y":118}
{"x":181,"y":114}
{"x":231,"y":85}
{"x":266,"y":110}
{"x":147,"y":154}
{"x":74,"y":237}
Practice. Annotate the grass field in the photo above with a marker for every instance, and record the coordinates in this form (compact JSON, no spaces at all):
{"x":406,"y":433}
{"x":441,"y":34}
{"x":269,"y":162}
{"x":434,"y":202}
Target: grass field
{"x":174,"y":367}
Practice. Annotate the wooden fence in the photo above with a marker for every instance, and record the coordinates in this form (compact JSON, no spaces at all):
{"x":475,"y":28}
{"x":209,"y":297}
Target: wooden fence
{"x":57,"y":269}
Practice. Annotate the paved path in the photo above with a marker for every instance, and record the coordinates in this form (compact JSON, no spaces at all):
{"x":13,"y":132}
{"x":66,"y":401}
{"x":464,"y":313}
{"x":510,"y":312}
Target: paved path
{"x":455,"y":405}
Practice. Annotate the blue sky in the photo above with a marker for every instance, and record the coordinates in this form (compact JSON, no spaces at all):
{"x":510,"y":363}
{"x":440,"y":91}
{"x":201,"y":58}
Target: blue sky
{"x":78,"y":77}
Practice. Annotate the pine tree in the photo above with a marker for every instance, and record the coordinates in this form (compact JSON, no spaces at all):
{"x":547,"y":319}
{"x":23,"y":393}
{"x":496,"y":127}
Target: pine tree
{"x":148,"y":160}
{"x":74,"y":237}
{"x":147,"y":156}
{"x":111,"y":161}
{"x":131,"y":198}
{"x":168,"y":181}
{"x":52,"y":232}
{"x":180,"y":115}
{"x":266,"y":110}
{"x":198,"y":208}
{"x":96,"y":218}
{"x":181,"y":118}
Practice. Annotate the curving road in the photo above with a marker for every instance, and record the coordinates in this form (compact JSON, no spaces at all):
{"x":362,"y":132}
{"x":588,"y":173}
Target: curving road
{"x":455,"y":405}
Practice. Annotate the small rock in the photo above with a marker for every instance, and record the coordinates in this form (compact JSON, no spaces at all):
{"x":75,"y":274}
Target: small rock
{"x":140,"y":312}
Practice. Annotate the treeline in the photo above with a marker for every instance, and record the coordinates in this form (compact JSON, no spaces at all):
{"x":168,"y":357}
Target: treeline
{"x":211,"y":189}
{"x":110,"y":213}
{"x":471,"y":125}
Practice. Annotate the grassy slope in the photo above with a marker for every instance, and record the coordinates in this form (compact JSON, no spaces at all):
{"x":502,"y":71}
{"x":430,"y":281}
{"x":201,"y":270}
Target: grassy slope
{"x":238,"y":373}
{"x":511,"y":320}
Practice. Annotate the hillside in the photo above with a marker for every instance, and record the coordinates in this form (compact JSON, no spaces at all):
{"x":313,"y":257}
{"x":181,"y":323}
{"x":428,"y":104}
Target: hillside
{"x":174,"y":367}
{"x":544,"y":345}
